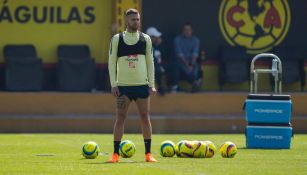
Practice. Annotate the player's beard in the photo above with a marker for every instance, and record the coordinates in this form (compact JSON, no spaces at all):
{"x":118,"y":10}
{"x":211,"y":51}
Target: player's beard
{"x":133,"y":27}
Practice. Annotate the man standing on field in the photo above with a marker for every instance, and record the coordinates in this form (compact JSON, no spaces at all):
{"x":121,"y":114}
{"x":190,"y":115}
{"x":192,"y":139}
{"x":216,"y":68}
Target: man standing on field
{"x":131,"y":70}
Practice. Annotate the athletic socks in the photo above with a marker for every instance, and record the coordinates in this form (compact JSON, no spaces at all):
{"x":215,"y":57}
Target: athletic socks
{"x":116,"y":147}
{"x":147,"y":143}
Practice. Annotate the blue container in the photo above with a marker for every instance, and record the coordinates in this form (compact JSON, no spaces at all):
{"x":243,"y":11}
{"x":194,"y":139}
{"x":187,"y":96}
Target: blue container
{"x":266,"y":108}
{"x":269,"y":137}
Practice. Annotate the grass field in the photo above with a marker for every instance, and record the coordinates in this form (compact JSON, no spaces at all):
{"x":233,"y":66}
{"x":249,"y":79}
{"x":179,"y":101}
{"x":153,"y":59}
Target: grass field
{"x":22,"y":154}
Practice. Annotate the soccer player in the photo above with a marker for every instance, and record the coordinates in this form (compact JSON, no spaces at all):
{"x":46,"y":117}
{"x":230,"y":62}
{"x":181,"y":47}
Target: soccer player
{"x":131,"y":70}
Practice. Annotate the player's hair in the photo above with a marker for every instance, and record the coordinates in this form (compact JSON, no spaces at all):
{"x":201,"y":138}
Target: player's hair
{"x":187,"y":24}
{"x":131,"y":11}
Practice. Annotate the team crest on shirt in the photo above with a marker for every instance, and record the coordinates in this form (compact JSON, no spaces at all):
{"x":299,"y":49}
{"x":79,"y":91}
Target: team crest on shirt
{"x":131,"y":61}
{"x":131,"y":64}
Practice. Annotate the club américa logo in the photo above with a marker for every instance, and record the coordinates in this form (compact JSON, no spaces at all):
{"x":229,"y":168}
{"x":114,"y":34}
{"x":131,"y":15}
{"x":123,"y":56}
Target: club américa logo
{"x":257,"y":25}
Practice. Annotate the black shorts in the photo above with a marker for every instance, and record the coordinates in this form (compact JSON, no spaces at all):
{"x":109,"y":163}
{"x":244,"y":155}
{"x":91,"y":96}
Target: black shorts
{"x":134,"y":92}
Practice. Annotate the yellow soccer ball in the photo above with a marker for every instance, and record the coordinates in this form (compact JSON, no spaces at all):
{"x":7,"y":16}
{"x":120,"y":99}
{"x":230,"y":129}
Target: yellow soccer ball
{"x":200,"y":149}
{"x":90,"y":150}
{"x":127,"y":149}
{"x":177,"y":146}
{"x":228,"y":150}
{"x":212,"y":149}
{"x":186,"y":149}
{"x":167,"y":149}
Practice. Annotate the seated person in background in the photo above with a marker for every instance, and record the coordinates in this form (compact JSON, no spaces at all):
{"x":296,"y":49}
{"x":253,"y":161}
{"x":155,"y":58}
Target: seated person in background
{"x":186,"y":53}
{"x":159,"y":70}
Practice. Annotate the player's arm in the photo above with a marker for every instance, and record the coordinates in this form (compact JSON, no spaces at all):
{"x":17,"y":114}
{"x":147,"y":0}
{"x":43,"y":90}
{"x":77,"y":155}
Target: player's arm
{"x":150,"y":63}
{"x":112,"y":64}
{"x":179,"y":52}
{"x":195,"y":51}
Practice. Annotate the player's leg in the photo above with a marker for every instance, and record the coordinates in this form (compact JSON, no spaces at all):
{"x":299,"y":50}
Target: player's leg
{"x":143,"y":108}
{"x":158,"y":77}
{"x":194,"y":78}
{"x":122,"y":106}
{"x":174,"y":76}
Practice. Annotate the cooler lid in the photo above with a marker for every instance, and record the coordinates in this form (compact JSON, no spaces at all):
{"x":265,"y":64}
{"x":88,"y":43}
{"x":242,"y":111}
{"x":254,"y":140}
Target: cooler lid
{"x":268,"y":97}
{"x":269,"y":124}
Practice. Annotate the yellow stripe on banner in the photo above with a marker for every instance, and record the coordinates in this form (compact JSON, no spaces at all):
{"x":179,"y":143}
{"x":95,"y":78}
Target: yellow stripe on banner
{"x":120,"y":7}
{"x":46,"y":24}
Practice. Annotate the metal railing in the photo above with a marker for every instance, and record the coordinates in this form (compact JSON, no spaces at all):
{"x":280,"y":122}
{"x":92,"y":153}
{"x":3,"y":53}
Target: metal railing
{"x":276,"y":72}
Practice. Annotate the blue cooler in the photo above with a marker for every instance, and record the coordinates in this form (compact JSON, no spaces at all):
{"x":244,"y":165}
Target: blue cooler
{"x":268,"y":108}
{"x":268,"y":121}
{"x":270,"y":137}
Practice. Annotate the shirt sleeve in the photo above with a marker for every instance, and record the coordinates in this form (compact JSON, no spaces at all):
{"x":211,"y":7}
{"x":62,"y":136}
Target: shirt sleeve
{"x":112,"y":64}
{"x":196,"y":48}
{"x":178,"y":50}
{"x":150,"y":62}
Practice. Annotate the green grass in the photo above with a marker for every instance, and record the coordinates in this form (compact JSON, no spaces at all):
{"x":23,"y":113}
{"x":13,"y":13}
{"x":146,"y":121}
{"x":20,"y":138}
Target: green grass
{"x":18,"y":155}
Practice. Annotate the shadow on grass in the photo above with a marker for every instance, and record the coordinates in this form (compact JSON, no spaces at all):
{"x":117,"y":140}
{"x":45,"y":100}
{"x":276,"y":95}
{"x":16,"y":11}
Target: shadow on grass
{"x":269,"y":149}
{"x":132,"y":162}
{"x":243,"y":147}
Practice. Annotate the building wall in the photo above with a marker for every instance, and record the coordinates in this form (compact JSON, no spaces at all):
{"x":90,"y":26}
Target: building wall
{"x":207,"y":16}
{"x":93,"y":22}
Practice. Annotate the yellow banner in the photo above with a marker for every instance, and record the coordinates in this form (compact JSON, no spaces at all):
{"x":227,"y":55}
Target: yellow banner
{"x":49,"y":23}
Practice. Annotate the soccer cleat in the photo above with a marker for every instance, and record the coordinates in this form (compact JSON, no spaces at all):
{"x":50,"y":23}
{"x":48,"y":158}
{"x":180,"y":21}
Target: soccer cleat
{"x":150,"y":158}
{"x":114,"y":158}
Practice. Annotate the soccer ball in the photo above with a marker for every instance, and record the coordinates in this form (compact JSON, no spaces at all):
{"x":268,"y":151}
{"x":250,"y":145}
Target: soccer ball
{"x":167,"y":149}
{"x":200,"y":149}
{"x":228,"y":150}
{"x":212,"y":149}
{"x":90,"y":150}
{"x":127,"y":149}
{"x":186,"y":149}
{"x":177,"y":146}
